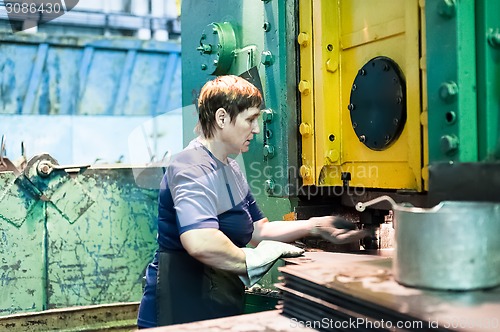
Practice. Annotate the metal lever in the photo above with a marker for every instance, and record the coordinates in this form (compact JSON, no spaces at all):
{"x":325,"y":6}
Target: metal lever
{"x":362,"y":206}
{"x":45,"y":167}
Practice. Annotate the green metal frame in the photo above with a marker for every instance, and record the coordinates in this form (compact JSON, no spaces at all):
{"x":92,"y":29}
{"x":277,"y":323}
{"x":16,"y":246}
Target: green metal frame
{"x":488,"y":72}
{"x":451,"y":68}
{"x":463,"y":66}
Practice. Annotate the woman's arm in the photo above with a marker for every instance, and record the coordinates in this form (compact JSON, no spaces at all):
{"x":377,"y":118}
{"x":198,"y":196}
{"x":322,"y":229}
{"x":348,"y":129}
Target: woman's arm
{"x":332,"y":228}
{"x":284,"y":231}
{"x":211,"y":247}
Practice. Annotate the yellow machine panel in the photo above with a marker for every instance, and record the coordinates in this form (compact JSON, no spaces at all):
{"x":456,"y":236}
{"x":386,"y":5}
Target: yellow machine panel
{"x":338,"y":39}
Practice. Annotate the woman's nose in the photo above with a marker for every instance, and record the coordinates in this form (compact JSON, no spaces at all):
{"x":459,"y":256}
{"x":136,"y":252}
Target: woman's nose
{"x":255,"y":127}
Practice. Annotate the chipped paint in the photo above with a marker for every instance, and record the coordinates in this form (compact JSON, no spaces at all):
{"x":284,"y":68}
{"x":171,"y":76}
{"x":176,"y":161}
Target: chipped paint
{"x":87,"y":243}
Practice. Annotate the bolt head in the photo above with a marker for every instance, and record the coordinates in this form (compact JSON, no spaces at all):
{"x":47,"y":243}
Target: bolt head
{"x":269,"y":185}
{"x":448,"y":91}
{"x":267,"y":58}
{"x":449,"y":144}
{"x":447,"y":8}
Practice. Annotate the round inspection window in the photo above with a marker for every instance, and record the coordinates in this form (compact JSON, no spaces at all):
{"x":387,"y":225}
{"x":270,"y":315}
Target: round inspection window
{"x":377,"y":104}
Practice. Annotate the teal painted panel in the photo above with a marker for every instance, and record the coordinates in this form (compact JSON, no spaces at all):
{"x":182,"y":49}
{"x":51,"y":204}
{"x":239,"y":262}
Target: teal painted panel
{"x":101,"y":235}
{"x":488,"y":85}
{"x":71,"y":239}
{"x":22,"y":248}
{"x":451,"y":81}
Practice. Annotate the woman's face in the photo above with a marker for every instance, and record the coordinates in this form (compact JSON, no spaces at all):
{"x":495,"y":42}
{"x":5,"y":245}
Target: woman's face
{"x":239,"y":133}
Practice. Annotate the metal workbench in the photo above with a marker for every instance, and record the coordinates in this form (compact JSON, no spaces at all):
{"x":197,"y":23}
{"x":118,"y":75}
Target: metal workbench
{"x":357,"y":292}
{"x":360,"y":291}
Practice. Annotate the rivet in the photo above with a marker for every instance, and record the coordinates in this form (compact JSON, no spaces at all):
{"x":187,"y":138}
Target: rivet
{"x":332,"y":156}
{"x":267,"y":58}
{"x":303,"y":39}
{"x":305,"y":172}
{"x":304,"y":87}
{"x":267,"y":115}
{"x":494,"y":38}
{"x":448,"y":91}
{"x":305,"y":129}
{"x":269,"y":185}
{"x":449,"y":144}
{"x":447,"y":8}
{"x":268,"y":151}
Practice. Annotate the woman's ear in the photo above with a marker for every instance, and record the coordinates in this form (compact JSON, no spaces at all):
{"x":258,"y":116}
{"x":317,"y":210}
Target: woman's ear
{"x":220,"y":117}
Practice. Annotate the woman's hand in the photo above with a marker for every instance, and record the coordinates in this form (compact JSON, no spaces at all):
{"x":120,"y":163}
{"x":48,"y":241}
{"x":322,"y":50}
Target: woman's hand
{"x":336,"y":229}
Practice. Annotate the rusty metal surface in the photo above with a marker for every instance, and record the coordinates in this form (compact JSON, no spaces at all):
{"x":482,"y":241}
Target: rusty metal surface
{"x":271,"y":321}
{"x":369,"y":282}
{"x":116,"y":317}
{"x":72,"y":237}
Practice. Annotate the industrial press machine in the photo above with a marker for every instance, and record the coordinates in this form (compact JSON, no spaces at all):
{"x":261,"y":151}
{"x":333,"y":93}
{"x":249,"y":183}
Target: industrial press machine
{"x":390,"y":107}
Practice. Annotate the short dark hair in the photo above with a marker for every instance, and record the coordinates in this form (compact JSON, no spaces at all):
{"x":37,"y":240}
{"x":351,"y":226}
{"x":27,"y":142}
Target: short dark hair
{"x":232,"y":93}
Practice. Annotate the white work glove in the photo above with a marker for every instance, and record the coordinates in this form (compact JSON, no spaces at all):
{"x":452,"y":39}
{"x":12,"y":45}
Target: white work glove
{"x":260,"y":259}
{"x":336,"y":229}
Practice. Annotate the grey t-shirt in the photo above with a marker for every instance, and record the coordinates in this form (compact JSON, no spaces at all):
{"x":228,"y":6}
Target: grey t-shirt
{"x":199,"y":191}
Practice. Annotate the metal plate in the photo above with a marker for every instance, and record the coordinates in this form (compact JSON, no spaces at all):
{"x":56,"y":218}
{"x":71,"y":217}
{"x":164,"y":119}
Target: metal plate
{"x":378,"y":103}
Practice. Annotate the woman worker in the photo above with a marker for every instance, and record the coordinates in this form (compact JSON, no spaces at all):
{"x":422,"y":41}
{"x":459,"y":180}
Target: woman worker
{"x":207,"y":216}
